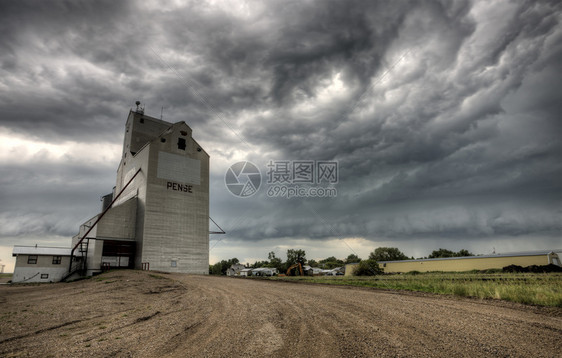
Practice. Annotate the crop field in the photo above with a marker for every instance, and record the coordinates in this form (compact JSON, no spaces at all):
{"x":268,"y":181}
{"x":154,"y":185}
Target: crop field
{"x":527,"y":288}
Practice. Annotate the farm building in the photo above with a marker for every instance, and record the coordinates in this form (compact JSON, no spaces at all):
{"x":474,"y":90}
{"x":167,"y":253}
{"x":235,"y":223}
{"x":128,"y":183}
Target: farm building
{"x":246,"y":272}
{"x":40,"y":264}
{"x":459,"y":264}
{"x":234,"y":270}
{"x":265,"y":271}
{"x":157,"y":216}
{"x":311,"y":271}
{"x":334,"y":272}
{"x":317,"y":271}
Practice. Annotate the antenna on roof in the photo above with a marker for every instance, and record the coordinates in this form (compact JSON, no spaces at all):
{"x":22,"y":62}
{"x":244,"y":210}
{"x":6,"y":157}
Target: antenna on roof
{"x":139,"y":109}
{"x":161,"y":112}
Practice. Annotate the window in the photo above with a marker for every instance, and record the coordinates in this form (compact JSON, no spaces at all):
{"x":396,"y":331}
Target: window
{"x":142,"y":120}
{"x":44,"y":276}
{"x":174,"y":263}
{"x":163,"y":140}
{"x":181,"y":143}
{"x":32,"y":259}
{"x":57,"y":260}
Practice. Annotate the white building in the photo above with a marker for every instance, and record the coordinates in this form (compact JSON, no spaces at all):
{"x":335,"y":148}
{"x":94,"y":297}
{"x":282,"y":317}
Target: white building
{"x":40,"y":264}
{"x":234,"y":270}
{"x":265,"y":271}
{"x":333,"y":272}
{"x":159,"y":218}
{"x":312,"y":271}
{"x":246,"y":272}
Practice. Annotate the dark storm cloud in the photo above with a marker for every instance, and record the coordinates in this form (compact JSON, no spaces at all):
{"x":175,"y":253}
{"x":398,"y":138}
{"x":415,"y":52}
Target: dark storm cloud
{"x":58,"y":67}
{"x":449,"y":152}
{"x":444,"y":116}
{"x":40,"y":198}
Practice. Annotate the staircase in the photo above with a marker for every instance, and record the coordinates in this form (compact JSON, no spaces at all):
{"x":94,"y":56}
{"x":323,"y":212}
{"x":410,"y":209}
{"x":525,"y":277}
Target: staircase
{"x":78,"y":261}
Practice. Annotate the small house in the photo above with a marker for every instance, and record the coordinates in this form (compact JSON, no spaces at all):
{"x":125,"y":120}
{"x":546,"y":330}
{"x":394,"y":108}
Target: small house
{"x":40,"y":264}
{"x":234,"y":270}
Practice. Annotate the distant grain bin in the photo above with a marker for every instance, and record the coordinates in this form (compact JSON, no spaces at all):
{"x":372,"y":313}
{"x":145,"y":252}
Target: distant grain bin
{"x":106,"y":201}
{"x":459,"y":264}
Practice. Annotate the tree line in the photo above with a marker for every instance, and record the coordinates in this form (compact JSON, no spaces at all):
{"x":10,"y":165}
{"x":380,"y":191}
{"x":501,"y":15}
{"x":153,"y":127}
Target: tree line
{"x":368,"y":266}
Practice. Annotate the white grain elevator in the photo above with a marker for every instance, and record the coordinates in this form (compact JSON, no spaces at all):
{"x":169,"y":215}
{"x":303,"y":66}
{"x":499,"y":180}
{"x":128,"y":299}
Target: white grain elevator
{"x":161,"y":218}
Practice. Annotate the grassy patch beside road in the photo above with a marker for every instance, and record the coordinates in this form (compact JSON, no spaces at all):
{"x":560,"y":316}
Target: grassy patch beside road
{"x":527,"y":288}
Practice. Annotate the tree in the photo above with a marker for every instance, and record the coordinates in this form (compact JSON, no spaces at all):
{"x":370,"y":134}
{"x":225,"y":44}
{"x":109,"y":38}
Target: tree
{"x":274,"y":261}
{"x":464,"y":252}
{"x":352,"y":258}
{"x":448,"y":253}
{"x":220,"y":267}
{"x":367,"y":268}
{"x":387,"y":254}
{"x":441,"y":253}
{"x":330,"y":263}
{"x":312,"y":263}
{"x":260,"y":264}
{"x":294,"y":256}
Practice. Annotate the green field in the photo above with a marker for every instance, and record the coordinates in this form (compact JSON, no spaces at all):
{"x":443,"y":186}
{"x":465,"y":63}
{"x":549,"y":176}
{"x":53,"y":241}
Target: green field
{"x":528,"y":288}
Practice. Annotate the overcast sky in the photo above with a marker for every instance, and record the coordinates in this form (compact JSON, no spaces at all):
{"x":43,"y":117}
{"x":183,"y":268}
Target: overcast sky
{"x":444,"y":117}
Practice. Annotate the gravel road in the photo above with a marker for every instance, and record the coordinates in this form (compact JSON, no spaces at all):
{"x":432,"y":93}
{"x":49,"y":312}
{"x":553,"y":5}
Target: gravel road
{"x":140,"y":314}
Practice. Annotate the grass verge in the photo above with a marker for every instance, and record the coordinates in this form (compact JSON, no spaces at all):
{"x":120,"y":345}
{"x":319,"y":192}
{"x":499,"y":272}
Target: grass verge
{"x":527,"y":288}
{"x":6,"y":275}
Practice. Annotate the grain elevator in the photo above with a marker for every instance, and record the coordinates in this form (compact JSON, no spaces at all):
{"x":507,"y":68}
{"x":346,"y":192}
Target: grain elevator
{"x":157,"y":216}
